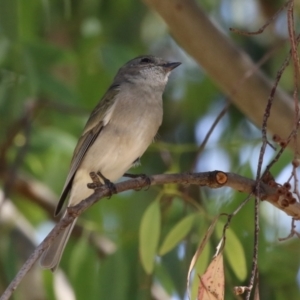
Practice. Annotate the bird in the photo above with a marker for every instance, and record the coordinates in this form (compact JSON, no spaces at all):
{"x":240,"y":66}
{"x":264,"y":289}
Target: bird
{"x":119,"y":130}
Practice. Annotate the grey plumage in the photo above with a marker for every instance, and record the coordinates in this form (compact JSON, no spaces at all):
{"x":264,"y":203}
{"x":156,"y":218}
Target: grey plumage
{"x":119,"y":130}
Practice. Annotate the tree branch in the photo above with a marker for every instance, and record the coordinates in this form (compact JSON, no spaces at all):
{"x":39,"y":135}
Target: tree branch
{"x":214,"y":179}
{"x":230,"y":67}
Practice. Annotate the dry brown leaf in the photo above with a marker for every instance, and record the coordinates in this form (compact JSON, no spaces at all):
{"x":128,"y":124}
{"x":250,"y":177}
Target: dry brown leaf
{"x":212,"y":283}
{"x":199,"y":251}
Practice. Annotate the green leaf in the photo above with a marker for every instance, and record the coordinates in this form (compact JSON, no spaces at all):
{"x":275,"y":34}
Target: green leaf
{"x":234,"y":253}
{"x":149,"y":236}
{"x":180,"y":230}
{"x":48,"y":281}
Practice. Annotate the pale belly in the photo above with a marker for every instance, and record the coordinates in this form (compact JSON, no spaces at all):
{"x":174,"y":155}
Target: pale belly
{"x":112,"y":154}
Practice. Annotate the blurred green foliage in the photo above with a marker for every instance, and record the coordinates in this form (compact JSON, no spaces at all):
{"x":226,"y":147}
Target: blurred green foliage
{"x":57,"y":58}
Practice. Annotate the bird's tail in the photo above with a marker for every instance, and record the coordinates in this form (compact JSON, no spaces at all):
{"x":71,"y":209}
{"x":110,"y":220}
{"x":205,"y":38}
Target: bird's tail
{"x":51,"y":256}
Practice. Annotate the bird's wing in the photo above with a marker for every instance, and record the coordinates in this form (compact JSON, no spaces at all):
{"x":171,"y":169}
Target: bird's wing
{"x":98,"y":119}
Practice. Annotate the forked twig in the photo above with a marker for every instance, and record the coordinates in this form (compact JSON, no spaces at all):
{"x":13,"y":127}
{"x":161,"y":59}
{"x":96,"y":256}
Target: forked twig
{"x":261,"y":29}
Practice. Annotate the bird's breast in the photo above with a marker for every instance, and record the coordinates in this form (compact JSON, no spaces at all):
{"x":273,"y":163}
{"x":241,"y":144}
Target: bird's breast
{"x":130,"y":130}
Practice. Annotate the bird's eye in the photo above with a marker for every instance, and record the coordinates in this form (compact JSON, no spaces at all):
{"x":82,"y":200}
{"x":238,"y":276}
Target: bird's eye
{"x":146,"y":60}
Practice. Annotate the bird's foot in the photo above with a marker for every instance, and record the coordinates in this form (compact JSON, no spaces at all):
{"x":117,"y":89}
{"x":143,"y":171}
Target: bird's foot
{"x":108,"y":183}
{"x":96,"y":183}
{"x":143,"y":176}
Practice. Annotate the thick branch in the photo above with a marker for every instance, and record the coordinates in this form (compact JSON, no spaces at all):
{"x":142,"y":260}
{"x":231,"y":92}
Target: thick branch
{"x":230,"y":67}
{"x":215,"y":179}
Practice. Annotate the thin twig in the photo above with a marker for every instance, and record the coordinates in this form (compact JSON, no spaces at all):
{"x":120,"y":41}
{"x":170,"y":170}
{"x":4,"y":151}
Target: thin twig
{"x":261,"y":29}
{"x":292,"y":232}
{"x":207,"y":136}
{"x":294,"y":44}
{"x":265,"y":142}
{"x":247,"y":75}
{"x":293,"y":133}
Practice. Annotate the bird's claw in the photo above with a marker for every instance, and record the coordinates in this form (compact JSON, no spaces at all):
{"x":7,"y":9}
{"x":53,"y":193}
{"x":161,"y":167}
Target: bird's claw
{"x":96,"y":182}
{"x":108,"y":183}
{"x":143,"y":176}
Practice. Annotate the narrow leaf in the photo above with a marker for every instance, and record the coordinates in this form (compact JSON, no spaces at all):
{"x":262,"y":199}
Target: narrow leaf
{"x":234,"y":253}
{"x":180,"y":230}
{"x":212,"y":283}
{"x":149,"y":236}
{"x":200,"y":250}
{"x":199,"y":268}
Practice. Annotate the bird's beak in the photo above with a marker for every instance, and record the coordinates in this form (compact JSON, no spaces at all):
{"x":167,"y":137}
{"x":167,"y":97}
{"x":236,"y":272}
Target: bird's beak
{"x":171,"y":66}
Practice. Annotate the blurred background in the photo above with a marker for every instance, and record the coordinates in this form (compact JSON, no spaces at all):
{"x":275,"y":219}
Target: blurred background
{"x":57,"y":58}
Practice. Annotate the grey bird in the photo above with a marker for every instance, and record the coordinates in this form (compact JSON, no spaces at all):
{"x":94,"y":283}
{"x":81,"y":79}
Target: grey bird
{"x":118,"y":132}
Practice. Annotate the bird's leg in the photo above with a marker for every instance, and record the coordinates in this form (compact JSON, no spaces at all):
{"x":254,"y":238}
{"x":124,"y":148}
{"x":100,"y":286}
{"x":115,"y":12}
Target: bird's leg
{"x":143,"y":176}
{"x":108,"y":183}
{"x":96,"y":182}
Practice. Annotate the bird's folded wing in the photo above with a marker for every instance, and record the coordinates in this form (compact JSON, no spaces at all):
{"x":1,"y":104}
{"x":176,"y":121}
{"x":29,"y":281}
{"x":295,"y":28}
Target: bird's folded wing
{"x":99,"y":118}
